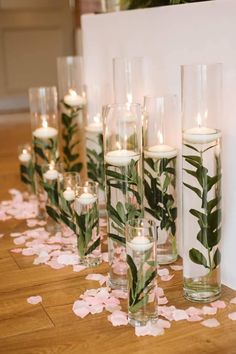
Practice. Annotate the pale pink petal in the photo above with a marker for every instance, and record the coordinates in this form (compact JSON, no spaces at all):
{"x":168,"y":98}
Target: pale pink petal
{"x":102,"y":222}
{"x":163,"y":271}
{"x":105,"y":256}
{"x":208,"y":310}
{"x":15,"y":234}
{"x":1,"y":235}
{"x":233,"y":301}
{"x":97,"y":277}
{"x":212,"y":322}
{"x":179,"y":315}
{"x":92,"y":300}
{"x":16,"y":250}
{"x":19,"y":240}
{"x":98,"y":308}
{"x":149,"y":330}
{"x":176,"y":267}
{"x":194,"y":318}
{"x":162,"y":300}
{"x":232,"y":316}
{"x":163,"y":323}
{"x":67,"y":259}
{"x":112,"y":308}
{"x":112,"y":301}
{"x":118,"y":318}
{"x":33,"y":300}
{"x":159,"y":292}
{"x":28,"y":251}
{"x":81,"y":311}
{"x":167,"y":277}
{"x":54,"y":264}
{"x":120,"y":294}
{"x":78,"y":268}
{"x":31,"y":222}
{"x":218,"y":304}
{"x":192,"y":311}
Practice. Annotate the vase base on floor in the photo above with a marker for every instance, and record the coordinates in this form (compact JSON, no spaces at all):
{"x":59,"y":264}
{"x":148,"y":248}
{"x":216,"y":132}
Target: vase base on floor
{"x":166,"y":258}
{"x":139,"y":321}
{"x":204,"y":295}
{"x":118,"y":284}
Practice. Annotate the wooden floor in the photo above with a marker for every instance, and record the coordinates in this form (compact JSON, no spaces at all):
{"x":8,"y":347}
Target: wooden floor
{"x":51,"y":327}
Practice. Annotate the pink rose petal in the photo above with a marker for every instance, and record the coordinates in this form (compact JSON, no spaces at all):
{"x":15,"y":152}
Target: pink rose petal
{"x":16,"y":250}
{"x":102,"y":222}
{"x":78,"y":268}
{"x":167,"y":277}
{"x":194,"y":318}
{"x":112,"y":308}
{"x":118,"y":318}
{"x":81,"y":311}
{"x":33,"y":300}
{"x":1,"y":235}
{"x":28,"y":251}
{"x":232,"y":316}
{"x":176,"y":267}
{"x":120,"y":294}
{"x":105,"y":257}
{"x":162,"y":301}
{"x":212,"y":322}
{"x":68,"y":259}
{"x":192,"y":311}
{"x":15,"y":234}
{"x":97,"y":277}
{"x":233,"y":301}
{"x":163,"y":323}
{"x":218,"y":304}
{"x":96,"y":308}
{"x":159,"y":292}
{"x":179,"y":315}
{"x":208,"y":310}
{"x":19,"y":240}
{"x":149,"y":330}
{"x":163,"y":271}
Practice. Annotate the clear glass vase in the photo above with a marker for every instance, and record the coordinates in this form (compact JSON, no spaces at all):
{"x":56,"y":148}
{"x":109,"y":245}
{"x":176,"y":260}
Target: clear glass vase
{"x":44,"y":123}
{"x":72,"y":112}
{"x":141,"y":237}
{"x":128,"y":80}
{"x":27,"y":174}
{"x":201,"y":105}
{"x":160,"y":157}
{"x":124,"y":187}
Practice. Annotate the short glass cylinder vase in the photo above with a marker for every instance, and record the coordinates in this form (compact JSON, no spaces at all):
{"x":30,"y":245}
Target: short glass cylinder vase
{"x":128,"y":80}
{"x":72,"y":112}
{"x":27,"y":175}
{"x":141,"y":237}
{"x":67,"y":187}
{"x":202,"y":225}
{"x":124,"y":186}
{"x":160,"y":157}
{"x":44,"y":124}
{"x":86,"y":216}
{"x":51,"y":175}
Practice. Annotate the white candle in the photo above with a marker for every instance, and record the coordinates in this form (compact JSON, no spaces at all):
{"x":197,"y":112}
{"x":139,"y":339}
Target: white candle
{"x":69,"y":194}
{"x":121,"y":157}
{"x":73,"y":99}
{"x":25,"y":156}
{"x":45,"y":133}
{"x":51,"y":174}
{"x":201,"y":135}
{"x":95,"y":127}
{"x":140,"y":244}
{"x":161,"y":151}
{"x":86,"y":199}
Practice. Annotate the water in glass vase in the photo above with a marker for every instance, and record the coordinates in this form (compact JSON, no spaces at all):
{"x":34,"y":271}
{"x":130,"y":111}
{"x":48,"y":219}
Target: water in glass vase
{"x":87,"y":229}
{"x":124,"y":199}
{"x":160,"y":203}
{"x":202,"y":216}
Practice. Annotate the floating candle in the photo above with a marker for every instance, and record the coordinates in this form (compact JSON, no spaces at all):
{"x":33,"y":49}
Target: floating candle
{"x":25,"y":156}
{"x":69,"y":194}
{"x":45,"y":132}
{"x":51,"y":174}
{"x":140,"y":244}
{"x":161,"y":151}
{"x":73,"y":99}
{"x":86,"y":199}
{"x":121,"y":157}
{"x":95,"y":127}
{"x":201,"y":135}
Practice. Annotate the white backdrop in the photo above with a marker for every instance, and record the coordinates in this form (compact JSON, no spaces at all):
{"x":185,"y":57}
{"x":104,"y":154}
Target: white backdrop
{"x":171,"y":36}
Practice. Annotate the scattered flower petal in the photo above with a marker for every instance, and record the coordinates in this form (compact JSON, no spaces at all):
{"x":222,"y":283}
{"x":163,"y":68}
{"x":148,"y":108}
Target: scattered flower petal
{"x":167,"y":277}
{"x":163,"y":271}
{"x":118,"y":318}
{"x":208,"y":310}
{"x":232,"y":316}
{"x":150,"y":329}
{"x":179,"y":315}
{"x":176,"y":267}
{"x":212,"y":322}
{"x":33,"y":300}
{"x":233,"y":301}
{"x":218,"y":304}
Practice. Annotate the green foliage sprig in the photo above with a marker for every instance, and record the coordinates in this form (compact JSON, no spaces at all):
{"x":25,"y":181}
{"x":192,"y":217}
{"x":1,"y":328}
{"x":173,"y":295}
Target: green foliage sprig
{"x":95,"y":163}
{"x":69,"y":133}
{"x":209,"y":217}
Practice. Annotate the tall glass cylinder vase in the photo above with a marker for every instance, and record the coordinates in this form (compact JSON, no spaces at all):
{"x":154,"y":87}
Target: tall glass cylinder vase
{"x":97,"y":96}
{"x":128,"y":80}
{"x":160,"y":173}
{"x":123,"y":170}
{"x":44,"y":123}
{"x":201,"y":106}
{"x":27,"y":175}
{"x":72,"y":112}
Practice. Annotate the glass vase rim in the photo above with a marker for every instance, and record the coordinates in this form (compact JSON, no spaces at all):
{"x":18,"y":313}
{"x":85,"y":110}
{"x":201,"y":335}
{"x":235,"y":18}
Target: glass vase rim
{"x":122,"y":104}
{"x":70,"y":57}
{"x":127,"y":58}
{"x":220,"y":64}
{"x":168,"y":95}
{"x":148,"y":223}
{"x":43,"y":88}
